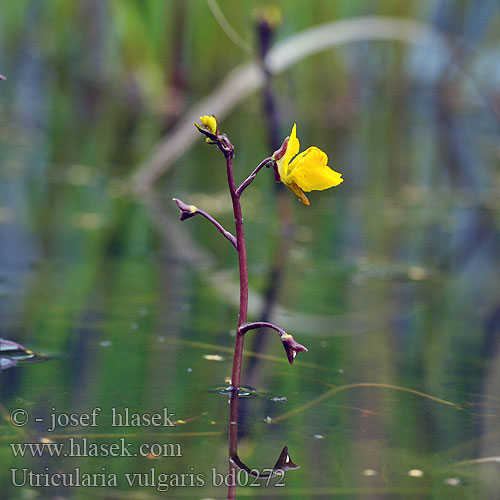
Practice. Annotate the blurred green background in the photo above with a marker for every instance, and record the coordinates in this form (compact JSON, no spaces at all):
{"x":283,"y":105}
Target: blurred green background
{"x":391,"y":280}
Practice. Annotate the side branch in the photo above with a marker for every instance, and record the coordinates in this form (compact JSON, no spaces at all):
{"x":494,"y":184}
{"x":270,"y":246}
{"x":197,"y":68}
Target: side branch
{"x":265,"y":163}
{"x":292,"y":347}
{"x":261,"y":324}
{"x":188,"y":211}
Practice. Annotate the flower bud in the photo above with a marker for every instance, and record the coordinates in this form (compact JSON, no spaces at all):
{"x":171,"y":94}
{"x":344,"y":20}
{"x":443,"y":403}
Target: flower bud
{"x":209,"y":127}
{"x":292,"y":347}
{"x":187,"y":211}
{"x":271,"y":15}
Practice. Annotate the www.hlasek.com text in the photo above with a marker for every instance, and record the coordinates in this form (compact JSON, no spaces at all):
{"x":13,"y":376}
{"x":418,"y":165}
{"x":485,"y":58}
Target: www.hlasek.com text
{"x":84,"y":447}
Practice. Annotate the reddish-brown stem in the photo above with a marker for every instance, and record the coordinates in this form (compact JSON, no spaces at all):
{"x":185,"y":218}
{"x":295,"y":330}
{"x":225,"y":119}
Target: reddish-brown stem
{"x":228,"y":149}
{"x":188,"y":211}
{"x":292,"y":347}
{"x":219,"y":226}
{"x":261,"y":324}
{"x":265,"y":163}
{"x":289,"y":343}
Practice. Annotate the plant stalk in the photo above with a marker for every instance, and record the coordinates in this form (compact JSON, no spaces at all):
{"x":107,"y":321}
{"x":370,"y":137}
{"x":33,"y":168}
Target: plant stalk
{"x":243,"y":267}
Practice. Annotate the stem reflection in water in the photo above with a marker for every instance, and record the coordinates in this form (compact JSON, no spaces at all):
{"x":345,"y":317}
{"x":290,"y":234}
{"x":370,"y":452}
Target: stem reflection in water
{"x":283,"y":464}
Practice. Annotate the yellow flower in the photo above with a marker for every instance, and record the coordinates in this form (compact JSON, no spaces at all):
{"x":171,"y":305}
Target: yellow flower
{"x":308,"y":171}
{"x":210,"y":123}
{"x":209,"y":128}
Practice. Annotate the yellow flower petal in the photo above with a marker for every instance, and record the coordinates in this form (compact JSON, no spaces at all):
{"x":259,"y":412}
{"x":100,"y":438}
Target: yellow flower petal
{"x":311,"y":172}
{"x":293,"y":145}
{"x":210,"y":122}
{"x":297,"y":192}
{"x":291,"y":150}
{"x":306,"y":171}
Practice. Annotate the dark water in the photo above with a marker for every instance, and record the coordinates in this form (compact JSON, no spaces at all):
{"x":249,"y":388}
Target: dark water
{"x":396,"y":298}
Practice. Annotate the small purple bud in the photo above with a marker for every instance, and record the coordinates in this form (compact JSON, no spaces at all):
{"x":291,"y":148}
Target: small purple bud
{"x":292,"y":347}
{"x":187,"y":211}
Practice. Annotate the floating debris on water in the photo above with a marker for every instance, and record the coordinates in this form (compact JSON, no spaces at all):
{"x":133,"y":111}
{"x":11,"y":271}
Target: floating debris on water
{"x":268,"y":420}
{"x":278,"y":399}
{"x":370,"y":473}
{"x":452,"y":481}
{"x":319,"y":436}
{"x":383,"y":271}
{"x":213,"y":357}
{"x":105,"y":343}
{"x":415,"y":473}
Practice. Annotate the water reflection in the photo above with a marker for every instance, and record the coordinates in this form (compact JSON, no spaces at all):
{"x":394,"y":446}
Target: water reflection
{"x":149,"y":351}
{"x":395,"y":389}
{"x":282,"y":465}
